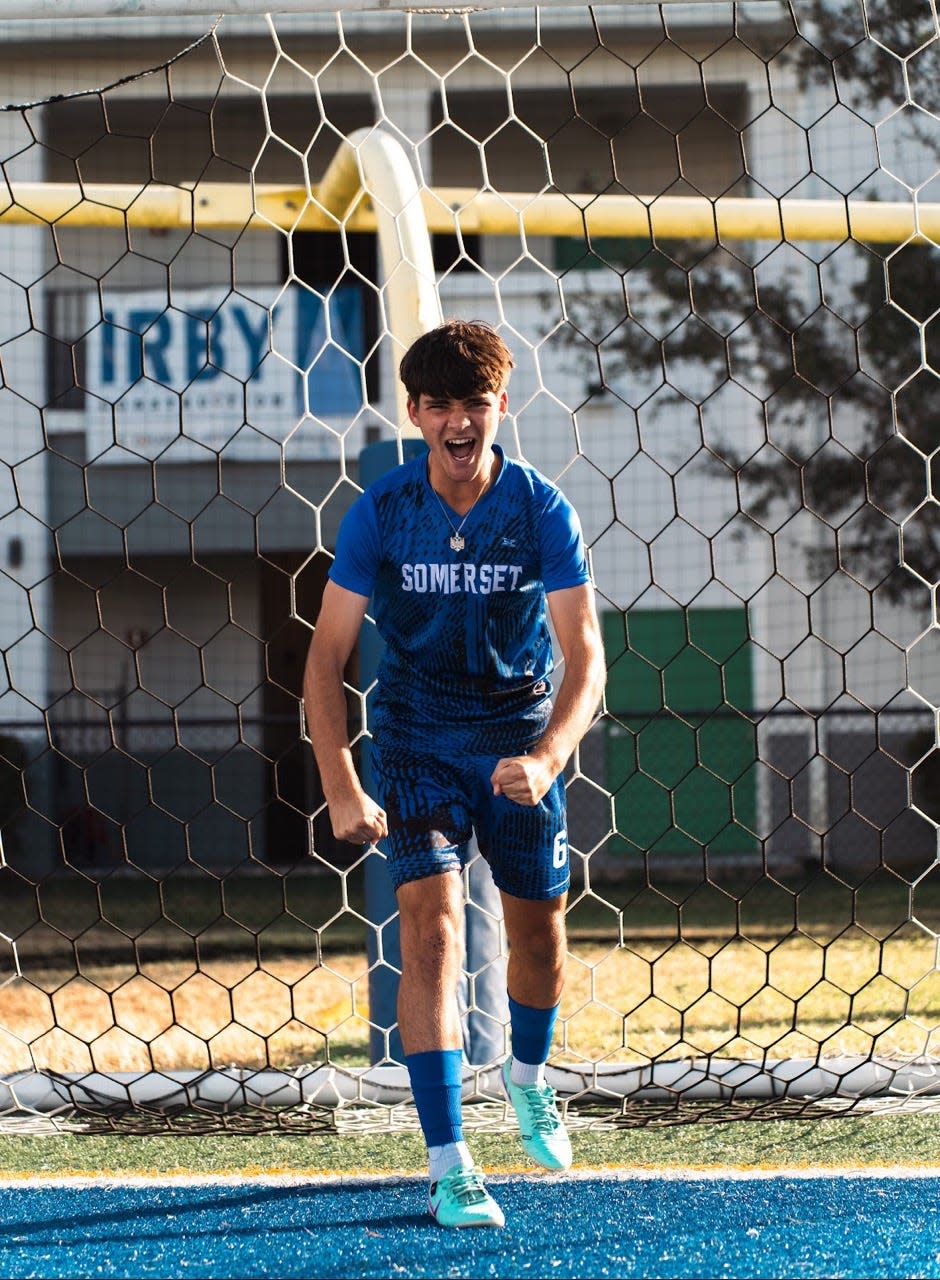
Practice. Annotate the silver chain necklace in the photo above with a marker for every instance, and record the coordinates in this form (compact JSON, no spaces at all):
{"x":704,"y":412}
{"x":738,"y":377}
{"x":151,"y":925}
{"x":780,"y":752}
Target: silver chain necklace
{"x":457,"y":540}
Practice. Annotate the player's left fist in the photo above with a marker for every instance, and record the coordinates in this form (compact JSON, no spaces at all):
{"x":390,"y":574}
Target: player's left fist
{"x":523,"y":779}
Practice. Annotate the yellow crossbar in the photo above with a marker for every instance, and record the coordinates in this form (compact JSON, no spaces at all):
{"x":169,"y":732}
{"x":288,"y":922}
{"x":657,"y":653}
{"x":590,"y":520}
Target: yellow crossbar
{"x":238,"y":205}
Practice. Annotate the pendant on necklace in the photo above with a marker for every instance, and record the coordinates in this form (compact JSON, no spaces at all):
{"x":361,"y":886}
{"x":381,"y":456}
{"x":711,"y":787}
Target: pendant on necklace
{"x":457,"y":542}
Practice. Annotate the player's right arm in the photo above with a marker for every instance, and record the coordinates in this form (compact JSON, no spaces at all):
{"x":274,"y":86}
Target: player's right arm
{"x":354,"y":815}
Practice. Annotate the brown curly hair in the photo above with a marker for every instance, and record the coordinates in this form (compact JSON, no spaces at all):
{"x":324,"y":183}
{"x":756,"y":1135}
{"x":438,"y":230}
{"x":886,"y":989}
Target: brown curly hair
{"x":459,"y":359}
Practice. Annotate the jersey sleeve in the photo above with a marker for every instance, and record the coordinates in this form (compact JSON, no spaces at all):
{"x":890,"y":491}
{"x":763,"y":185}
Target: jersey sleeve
{"x":564,"y":559}
{"x":358,"y":548}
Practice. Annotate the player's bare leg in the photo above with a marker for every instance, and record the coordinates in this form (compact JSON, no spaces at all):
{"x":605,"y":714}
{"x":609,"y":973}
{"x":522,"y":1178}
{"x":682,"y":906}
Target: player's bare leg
{"x":431,"y":929}
{"x":538,"y":949}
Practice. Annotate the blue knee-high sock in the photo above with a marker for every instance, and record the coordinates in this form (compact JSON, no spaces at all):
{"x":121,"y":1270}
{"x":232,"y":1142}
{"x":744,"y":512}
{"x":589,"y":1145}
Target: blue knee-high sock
{"x":532,"y":1031}
{"x":436,"y":1084}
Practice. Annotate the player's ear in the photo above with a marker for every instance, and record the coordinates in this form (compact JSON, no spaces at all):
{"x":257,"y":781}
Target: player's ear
{"x":412,"y":412}
{"x":503,"y":402}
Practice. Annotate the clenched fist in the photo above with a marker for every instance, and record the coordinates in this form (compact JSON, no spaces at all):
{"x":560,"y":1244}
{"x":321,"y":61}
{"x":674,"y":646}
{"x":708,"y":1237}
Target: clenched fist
{"x":524,"y":779}
{"x":357,"y":819}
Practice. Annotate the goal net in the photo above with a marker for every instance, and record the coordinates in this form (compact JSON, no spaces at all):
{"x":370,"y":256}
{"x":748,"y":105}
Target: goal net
{"x":709,"y":233}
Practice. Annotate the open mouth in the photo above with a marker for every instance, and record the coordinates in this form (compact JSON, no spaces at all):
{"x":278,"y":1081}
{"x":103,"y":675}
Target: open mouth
{"x":461,"y":448}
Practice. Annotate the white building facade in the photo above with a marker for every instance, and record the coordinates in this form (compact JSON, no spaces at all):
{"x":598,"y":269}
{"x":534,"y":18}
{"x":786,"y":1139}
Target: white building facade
{"x":183,"y":415}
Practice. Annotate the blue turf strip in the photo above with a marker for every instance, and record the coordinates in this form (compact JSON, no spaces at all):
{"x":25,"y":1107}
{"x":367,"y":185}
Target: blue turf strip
{"x":781,"y":1226}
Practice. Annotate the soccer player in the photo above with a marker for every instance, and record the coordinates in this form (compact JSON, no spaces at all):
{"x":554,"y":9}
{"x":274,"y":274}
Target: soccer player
{"x":466,"y":554}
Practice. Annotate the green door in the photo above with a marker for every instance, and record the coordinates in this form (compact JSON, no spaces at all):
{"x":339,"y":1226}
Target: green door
{"x":681,"y":749}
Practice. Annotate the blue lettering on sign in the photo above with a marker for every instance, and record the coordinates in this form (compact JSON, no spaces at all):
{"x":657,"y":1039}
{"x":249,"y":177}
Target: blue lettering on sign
{"x":148,"y":337}
{"x":330,"y":352}
{"x":324,"y":339}
{"x":205,"y":354}
{"x":256,"y":339}
{"x":107,"y":348}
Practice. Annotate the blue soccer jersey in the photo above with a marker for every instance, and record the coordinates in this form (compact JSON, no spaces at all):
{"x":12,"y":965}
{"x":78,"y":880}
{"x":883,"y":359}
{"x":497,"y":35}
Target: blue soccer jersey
{"x":465,"y":676}
{"x":466,"y":631}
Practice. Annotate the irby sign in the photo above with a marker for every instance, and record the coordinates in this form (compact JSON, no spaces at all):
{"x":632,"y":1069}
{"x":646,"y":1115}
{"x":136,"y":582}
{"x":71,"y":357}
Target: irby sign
{"x":202,"y":368}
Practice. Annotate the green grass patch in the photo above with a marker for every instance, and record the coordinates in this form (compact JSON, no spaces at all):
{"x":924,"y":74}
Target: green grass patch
{"x":878,"y":1139}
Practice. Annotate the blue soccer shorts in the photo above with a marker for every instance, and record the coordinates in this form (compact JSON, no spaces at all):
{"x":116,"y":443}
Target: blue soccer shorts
{"x":435,"y":802}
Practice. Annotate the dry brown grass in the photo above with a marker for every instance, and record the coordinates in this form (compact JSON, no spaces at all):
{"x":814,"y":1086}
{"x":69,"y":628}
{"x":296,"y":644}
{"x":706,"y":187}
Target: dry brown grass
{"x":655,"y":999}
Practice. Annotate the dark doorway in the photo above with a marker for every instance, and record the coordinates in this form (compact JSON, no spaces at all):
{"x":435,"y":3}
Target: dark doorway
{"x":324,"y":261}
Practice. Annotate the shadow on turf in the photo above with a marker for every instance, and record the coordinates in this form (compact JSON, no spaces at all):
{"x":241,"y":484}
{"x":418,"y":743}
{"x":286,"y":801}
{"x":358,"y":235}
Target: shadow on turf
{"x":226,"y":1203}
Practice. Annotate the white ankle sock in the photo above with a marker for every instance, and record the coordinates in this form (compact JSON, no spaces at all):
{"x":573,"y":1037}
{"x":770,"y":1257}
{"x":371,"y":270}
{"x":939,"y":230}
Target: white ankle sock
{"x":527,"y":1073}
{"x":442,"y":1159}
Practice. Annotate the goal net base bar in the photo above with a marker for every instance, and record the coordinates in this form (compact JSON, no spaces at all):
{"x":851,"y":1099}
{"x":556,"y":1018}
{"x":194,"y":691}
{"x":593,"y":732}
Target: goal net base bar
{"x":232,"y":1089}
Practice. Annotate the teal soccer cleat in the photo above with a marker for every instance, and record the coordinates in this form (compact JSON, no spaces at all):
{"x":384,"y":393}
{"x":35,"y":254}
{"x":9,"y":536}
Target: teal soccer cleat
{"x":544,"y":1137}
{"x":460,"y":1199}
